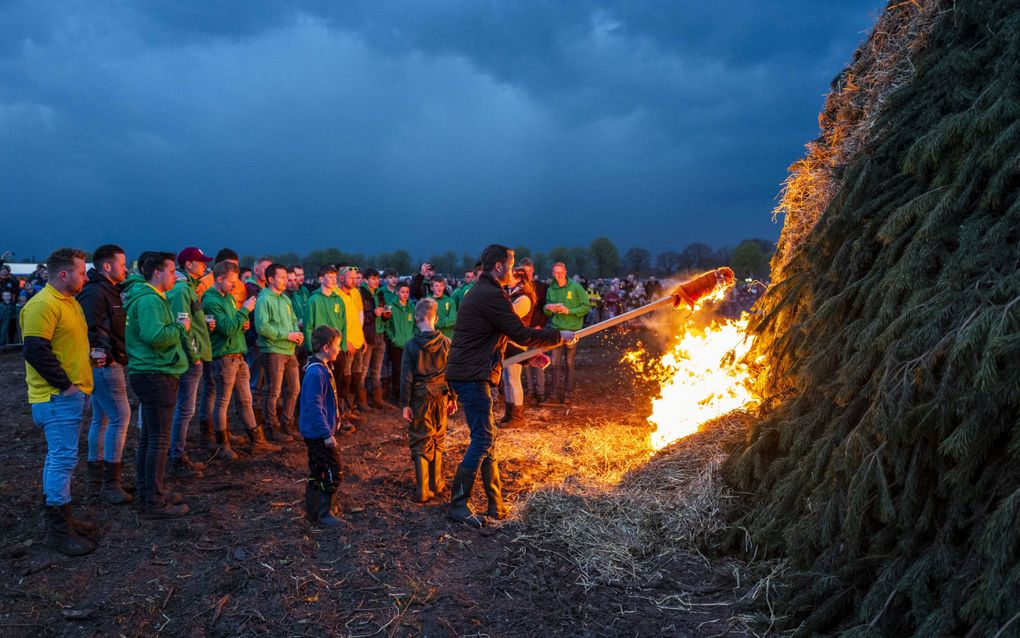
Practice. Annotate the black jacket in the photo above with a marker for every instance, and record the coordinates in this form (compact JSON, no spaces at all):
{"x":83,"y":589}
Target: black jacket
{"x":485,"y":320}
{"x":370,"y":302}
{"x":538,"y":318}
{"x":104,"y":313}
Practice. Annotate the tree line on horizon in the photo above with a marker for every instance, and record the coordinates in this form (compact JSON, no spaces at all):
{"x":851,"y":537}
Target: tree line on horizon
{"x":601,"y":258}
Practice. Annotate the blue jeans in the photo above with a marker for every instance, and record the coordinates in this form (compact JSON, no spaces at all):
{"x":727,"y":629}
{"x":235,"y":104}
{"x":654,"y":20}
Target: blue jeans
{"x":187,"y":394}
{"x":231,"y":377}
{"x":111,"y":414}
{"x":61,"y":419}
{"x":477,"y":402}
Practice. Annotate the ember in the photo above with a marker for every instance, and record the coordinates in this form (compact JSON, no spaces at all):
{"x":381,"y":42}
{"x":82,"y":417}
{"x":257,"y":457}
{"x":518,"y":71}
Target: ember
{"x":702,"y":377}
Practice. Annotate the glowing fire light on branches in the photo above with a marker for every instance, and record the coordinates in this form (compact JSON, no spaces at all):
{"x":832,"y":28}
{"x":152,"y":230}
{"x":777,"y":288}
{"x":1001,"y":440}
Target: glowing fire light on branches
{"x":702,"y":377}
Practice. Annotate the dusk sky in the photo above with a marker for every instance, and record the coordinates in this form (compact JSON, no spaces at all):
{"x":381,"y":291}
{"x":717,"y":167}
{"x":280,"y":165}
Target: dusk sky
{"x":427,"y":126}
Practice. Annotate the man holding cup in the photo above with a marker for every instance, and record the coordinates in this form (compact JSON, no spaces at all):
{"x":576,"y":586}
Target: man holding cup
{"x":185,"y":301}
{"x":278,"y":336}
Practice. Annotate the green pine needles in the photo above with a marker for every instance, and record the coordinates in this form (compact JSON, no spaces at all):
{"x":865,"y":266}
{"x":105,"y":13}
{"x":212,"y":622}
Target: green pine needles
{"x":887,"y":461}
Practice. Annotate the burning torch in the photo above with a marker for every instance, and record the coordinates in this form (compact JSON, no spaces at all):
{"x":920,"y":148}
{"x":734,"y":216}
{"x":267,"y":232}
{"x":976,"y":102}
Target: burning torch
{"x":689,"y":293}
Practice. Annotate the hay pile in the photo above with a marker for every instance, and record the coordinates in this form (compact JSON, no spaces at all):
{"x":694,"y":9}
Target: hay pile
{"x":888,"y":465}
{"x":626,"y":515}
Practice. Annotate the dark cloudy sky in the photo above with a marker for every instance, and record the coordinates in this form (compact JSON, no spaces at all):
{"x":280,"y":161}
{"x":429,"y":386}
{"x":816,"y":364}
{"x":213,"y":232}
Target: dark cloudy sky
{"x":427,"y":126}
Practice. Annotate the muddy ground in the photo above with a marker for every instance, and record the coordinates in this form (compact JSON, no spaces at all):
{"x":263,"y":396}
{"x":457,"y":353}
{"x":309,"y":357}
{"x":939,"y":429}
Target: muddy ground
{"x":245,"y":562}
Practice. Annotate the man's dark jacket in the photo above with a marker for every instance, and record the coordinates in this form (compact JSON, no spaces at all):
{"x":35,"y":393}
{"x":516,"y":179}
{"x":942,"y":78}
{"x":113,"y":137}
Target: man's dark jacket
{"x":104,"y":313}
{"x":485,"y":321}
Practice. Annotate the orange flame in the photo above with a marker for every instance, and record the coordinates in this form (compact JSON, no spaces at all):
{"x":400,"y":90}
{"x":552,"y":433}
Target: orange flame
{"x":702,"y":377}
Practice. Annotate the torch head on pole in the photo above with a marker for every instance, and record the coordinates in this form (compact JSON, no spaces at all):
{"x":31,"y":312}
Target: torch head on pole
{"x":701,"y":287}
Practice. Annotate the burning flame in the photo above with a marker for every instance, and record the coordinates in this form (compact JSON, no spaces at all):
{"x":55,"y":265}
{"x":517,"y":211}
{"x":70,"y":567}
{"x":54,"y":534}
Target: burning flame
{"x":702,"y":377}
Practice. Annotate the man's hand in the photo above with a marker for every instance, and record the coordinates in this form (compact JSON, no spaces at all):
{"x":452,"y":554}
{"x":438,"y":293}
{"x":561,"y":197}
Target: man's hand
{"x":249,"y":303}
{"x":568,"y":336}
{"x":70,"y":392}
{"x":296,"y":337}
{"x":379,"y":311}
{"x":186,"y":322}
{"x":211,"y":325}
{"x":425,"y":270}
{"x":329,"y":441}
{"x":406,"y":412}
{"x":451,"y":407}
{"x":351,"y":349}
{"x":247,"y":324}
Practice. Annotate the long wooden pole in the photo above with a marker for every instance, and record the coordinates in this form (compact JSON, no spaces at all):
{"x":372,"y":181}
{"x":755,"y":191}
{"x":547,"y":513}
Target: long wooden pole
{"x":596,"y":327}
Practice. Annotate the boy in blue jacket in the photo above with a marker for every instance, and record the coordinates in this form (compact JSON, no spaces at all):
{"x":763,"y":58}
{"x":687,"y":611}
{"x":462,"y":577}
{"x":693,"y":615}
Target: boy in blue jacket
{"x":318,"y":421}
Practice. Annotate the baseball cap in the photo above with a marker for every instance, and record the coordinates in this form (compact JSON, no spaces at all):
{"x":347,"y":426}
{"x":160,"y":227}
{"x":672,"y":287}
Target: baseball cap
{"x":191,"y":253}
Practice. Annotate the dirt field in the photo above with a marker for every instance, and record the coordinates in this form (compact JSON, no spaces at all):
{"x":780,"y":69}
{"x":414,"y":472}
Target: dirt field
{"x":245,"y":563}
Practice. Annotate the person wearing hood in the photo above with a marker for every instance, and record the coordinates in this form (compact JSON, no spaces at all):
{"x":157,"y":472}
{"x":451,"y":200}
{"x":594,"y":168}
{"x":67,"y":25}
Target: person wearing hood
{"x":485,"y":322}
{"x":426,"y":400}
{"x":158,"y":349}
{"x":101,"y":302}
{"x":184,"y":298}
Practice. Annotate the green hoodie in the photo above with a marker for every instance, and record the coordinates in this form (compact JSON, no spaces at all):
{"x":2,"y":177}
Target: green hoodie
{"x":325,"y":310}
{"x":446,"y":314}
{"x":274,"y":320}
{"x":155,"y":342}
{"x":458,"y":294}
{"x":228,"y":338}
{"x":299,"y":300}
{"x":400,"y":327}
{"x":573,"y":296}
{"x":184,"y":298}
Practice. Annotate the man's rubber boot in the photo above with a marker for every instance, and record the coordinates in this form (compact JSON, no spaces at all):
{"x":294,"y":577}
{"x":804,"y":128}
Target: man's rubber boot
{"x":257,"y":443}
{"x":460,"y":510}
{"x":61,"y":537}
{"x":493,"y":489}
{"x":517,"y":420}
{"x":436,"y":482}
{"x":422,"y":493}
{"x":508,"y":415}
{"x":113,"y":491}
{"x":93,"y":478}
{"x":377,"y":399}
{"x":326,"y":518}
{"x":208,"y":437}
{"x":225,"y":452}
{"x":311,"y":503}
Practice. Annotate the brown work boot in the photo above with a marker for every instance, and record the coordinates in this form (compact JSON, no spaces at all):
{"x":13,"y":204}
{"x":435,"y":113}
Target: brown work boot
{"x":277,"y":435}
{"x":185,"y":468}
{"x":362,"y":399}
{"x":224,"y":450}
{"x":61,"y":536}
{"x":257,"y":443}
{"x":160,"y":509}
{"x":377,"y":399}
{"x":113,"y":491}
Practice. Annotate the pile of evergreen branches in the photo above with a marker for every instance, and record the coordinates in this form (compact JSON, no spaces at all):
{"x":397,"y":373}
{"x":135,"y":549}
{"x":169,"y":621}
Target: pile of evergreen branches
{"x":887,"y":465}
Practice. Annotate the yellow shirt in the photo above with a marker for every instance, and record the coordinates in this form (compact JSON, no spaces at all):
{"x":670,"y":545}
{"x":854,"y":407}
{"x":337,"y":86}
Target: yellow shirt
{"x":58,"y":319}
{"x":355,"y":309}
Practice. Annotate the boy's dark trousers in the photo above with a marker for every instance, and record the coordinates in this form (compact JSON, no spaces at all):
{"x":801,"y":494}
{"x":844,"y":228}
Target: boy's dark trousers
{"x":323,"y":479}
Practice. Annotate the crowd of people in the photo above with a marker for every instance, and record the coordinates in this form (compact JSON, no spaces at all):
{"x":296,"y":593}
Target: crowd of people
{"x":299,"y":363}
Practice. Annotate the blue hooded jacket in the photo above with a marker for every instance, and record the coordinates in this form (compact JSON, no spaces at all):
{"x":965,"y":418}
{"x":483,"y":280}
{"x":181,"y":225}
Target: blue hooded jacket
{"x":319,"y":416}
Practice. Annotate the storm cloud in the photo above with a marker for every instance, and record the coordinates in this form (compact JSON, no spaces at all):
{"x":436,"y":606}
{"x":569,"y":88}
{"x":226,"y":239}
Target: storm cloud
{"x":374,"y":126}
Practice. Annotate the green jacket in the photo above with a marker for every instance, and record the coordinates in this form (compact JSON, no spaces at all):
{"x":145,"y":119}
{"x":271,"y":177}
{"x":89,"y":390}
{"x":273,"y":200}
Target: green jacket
{"x":228,"y":338}
{"x":323,"y":310}
{"x":299,"y":300}
{"x":154,"y":341}
{"x":446,"y":314}
{"x":183,"y":298}
{"x":573,"y":296}
{"x":458,"y":294}
{"x":391,"y":298}
{"x":274,"y":320}
{"x":400,"y":327}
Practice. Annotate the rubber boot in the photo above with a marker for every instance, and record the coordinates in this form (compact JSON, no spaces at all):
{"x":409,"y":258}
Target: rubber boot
{"x":436,"y":482}
{"x":61,"y":537}
{"x":257,"y":443}
{"x":207,"y":435}
{"x":225,"y":452}
{"x":493,"y":489}
{"x":113,"y":491}
{"x":460,"y":510}
{"x":94,"y":478}
{"x":377,"y":399}
{"x":311,"y":503}
{"x":508,"y":415}
{"x":325,"y":517}
{"x":422,"y":493}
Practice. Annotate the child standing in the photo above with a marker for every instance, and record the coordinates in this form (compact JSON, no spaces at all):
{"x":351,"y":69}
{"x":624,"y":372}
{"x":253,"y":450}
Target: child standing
{"x":426,"y":400}
{"x":318,"y":422}
{"x":8,"y":318}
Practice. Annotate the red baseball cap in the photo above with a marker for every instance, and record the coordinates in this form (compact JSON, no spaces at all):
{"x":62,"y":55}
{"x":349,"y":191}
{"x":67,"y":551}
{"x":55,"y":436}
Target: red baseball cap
{"x":191,"y":253}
